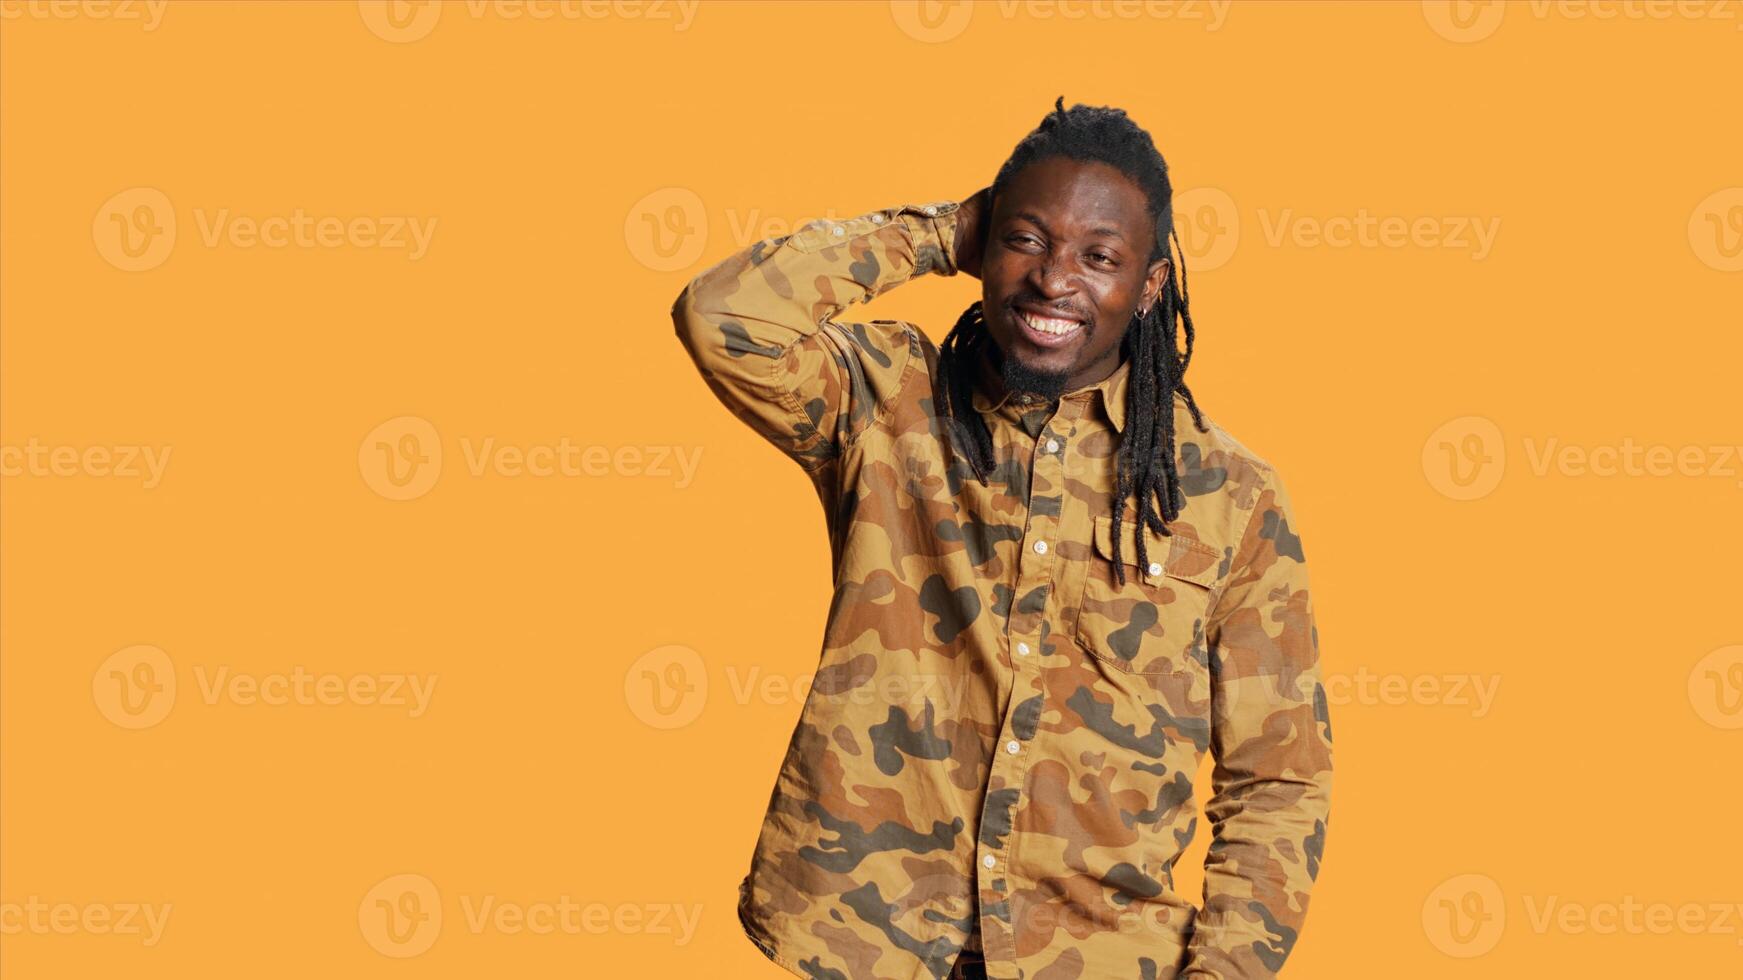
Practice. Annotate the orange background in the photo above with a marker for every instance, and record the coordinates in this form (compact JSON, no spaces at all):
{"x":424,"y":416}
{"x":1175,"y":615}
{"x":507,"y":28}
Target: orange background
{"x":578,"y":171}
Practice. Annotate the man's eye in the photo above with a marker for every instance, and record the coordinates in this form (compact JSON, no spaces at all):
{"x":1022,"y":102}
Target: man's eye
{"x":1105,"y":258}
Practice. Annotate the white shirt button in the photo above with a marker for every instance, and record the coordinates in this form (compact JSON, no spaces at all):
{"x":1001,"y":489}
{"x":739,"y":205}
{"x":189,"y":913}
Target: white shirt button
{"x":838,"y":230}
{"x":1040,"y":547}
{"x":1023,"y":648}
{"x":929,"y":209}
{"x":877,"y":219}
{"x":989,"y":860}
{"x":1155,"y":568}
{"x":1053,"y":445}
{"x":1012,"y":747}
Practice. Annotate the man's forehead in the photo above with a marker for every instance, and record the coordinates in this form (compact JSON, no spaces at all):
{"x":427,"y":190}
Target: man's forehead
{"x":1064,"y":196}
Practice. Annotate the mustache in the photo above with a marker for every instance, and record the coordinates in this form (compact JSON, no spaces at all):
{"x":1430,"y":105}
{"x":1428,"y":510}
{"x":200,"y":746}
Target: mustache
{"x":1041,"y":304}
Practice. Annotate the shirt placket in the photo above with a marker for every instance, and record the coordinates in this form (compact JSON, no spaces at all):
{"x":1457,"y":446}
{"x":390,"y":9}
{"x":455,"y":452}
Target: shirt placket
{"x":1039,"y":565}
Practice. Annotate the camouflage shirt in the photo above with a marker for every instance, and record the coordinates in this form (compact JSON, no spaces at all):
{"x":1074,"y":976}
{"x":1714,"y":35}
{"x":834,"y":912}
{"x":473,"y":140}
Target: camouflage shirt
{"x":1000,"y":743}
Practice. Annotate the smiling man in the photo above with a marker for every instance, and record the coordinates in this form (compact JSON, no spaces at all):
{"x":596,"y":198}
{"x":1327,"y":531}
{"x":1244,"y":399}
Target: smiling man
{"x":1050,"y":599}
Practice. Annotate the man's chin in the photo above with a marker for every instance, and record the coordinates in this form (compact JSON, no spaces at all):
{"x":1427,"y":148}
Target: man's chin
{"x":1035,"y":376}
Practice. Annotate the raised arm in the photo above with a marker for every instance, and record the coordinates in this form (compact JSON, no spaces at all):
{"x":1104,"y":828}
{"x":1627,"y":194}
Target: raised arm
{"x":760,"y":325}
{"x":1271,"y":738}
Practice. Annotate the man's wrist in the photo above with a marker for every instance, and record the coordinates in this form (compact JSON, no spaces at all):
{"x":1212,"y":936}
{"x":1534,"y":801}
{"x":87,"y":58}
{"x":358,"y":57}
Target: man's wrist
{"x":933,"y":224}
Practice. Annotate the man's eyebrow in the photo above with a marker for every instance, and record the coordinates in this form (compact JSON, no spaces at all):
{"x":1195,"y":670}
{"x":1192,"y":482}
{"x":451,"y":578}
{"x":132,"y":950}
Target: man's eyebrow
{"x":1099,"y":231}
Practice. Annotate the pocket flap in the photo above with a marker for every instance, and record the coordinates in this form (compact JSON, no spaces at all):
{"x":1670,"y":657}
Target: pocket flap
{"x":1186,"y":559}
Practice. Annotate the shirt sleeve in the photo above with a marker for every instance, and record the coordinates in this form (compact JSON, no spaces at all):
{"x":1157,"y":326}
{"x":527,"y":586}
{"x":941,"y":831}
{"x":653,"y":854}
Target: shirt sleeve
{"x":760,"y":325}
{"x":1271,"y":740}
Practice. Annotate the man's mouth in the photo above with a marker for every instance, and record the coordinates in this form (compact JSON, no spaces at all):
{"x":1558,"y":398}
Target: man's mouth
{"x":1047,"y":331}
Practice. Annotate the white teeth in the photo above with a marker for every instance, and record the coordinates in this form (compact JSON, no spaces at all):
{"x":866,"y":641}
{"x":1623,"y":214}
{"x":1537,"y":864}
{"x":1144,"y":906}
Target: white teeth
{"x":1048,"y":325}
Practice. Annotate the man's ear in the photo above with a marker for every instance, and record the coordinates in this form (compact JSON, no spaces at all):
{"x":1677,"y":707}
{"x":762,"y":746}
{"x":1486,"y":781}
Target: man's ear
{"x":1154,"y":281}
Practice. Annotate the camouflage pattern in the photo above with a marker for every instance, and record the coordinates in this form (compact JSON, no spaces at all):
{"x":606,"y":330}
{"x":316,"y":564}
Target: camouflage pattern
{"x":1000,"y":744}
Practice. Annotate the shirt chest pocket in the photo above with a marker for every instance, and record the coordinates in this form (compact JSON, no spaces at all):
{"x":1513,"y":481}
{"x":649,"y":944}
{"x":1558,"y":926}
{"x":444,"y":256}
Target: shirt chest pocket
{"x":1154,"y":623}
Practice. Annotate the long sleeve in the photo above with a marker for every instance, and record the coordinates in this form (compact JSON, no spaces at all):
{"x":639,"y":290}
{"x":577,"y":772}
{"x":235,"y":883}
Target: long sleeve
{"x":1271,"y":739}
{"x":760,"y":325}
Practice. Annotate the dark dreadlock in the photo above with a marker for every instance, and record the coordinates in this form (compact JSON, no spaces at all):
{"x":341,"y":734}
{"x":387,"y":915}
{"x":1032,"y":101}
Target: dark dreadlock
{"x":1145,"y":464}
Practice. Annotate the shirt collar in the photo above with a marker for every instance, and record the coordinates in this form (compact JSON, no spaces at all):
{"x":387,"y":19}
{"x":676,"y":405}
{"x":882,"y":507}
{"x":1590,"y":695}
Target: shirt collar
{"x":992,"y":397}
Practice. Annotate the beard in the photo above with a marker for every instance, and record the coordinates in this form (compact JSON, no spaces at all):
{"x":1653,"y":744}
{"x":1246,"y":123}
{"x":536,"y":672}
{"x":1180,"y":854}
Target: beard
{"x":1023,"y":379}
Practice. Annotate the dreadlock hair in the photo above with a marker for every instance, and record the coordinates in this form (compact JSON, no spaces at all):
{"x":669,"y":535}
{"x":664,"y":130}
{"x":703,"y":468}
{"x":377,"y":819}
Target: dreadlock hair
{"x":1144,"y":465}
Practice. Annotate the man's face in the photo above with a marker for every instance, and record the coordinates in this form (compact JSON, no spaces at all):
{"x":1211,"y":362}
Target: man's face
{"x":1069,"y":239}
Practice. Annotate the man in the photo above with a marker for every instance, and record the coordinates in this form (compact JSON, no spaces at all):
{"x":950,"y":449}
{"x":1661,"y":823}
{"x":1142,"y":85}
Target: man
{"x":1048,"y":602}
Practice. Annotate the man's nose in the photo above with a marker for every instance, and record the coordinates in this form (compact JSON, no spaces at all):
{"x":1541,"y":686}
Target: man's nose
{"x":1049,"y":277}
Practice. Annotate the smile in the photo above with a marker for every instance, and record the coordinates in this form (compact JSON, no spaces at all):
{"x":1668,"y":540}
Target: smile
{"x":1047,"y":331}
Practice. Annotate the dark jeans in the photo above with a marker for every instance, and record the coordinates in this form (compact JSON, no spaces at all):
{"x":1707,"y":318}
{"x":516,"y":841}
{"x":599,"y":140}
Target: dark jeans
{"x":971,"y":965}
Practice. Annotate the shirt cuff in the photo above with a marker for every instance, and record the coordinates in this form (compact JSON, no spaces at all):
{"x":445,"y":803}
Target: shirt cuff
{"x":932,"y":224}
